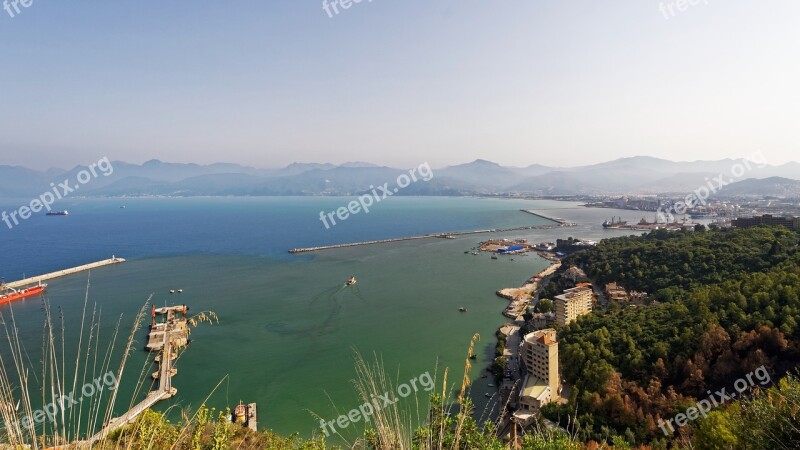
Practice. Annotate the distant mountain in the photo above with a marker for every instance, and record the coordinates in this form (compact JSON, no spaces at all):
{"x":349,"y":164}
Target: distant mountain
{"x":358,"y":164}
{"x":640,"y":174}
{"x":296,"y":168}
{"x":18,"y":181}
{"x":644,"y":175}
{"x":768,"y":187}
{"x":483,"y":175}
{"x":533,"y":170}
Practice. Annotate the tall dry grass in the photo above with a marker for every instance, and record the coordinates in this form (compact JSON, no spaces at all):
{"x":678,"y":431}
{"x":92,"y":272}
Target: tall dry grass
{"x":392,"y":427}
{"x":24,"y":395}
{"x":26,"y":388}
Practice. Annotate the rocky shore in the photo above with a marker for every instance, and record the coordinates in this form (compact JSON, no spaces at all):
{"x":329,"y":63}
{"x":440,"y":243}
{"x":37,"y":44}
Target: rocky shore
{"x":521,"y":297}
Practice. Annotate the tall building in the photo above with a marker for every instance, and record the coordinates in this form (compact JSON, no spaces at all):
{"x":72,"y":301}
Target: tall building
{"x":572,"y":304}
{"x":539,"y":357}
{"x":792,"y":223}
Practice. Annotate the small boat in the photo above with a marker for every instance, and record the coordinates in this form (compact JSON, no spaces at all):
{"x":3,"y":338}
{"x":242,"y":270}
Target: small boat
{"x":488,"y":395}
{"x":462,"y":309}
{"x":490,"y":385}
{"x":180,"y":291}
{"x":351,"y":281}
{"x":494,"y":256}
{"x":172,"y":291}
{"x":58,"y":213}
{"x":473,"y":356}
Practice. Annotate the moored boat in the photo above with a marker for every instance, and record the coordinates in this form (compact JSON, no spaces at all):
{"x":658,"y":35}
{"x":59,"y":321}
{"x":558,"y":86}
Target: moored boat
{"x":615,"y":223}
{"x":8,"y":294}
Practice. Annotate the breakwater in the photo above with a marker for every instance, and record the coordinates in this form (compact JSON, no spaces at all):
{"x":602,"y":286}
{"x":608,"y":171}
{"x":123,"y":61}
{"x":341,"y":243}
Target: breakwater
{"x":451,"y":235}
{"x":557,"y":220}
{"x":65,"y":272}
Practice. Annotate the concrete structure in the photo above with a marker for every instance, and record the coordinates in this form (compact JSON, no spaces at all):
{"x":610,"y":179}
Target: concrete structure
{"x":451,"y":235}
{"x":245,"y":415}
{"x":170,"y":336}
{"x":65,"y":272}
{"x":790,"y":222}
{"x":575,"y":274}
{"x":616,"y":293}
{"x":538,"y":355}
{"x":572,"y":304}
{"x":542,"y":320}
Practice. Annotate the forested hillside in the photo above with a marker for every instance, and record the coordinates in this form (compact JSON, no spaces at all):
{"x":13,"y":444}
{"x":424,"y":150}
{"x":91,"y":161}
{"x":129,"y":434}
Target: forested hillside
{"x":731,"y":304}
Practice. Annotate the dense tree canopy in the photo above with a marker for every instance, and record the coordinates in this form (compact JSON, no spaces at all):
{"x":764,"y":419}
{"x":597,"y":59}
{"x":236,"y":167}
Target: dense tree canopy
{"x":668,"y":263}
{"x":731,"y":304}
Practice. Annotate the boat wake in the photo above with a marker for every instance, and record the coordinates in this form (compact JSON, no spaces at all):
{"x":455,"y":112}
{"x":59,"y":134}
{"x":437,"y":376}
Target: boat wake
{"x":328,"y":294}
{"x":330,"y":300}
{"x":358,"y":294}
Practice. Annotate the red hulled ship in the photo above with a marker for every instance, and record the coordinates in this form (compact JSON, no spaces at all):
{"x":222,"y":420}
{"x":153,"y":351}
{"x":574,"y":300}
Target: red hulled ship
{"x":8,"y":294}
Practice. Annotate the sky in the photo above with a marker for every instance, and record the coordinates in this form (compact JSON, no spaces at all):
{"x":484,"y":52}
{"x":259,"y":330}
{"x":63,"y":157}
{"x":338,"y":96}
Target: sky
{"x":266,"y":83}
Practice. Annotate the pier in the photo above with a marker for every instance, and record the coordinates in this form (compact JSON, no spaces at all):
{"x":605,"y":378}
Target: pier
{"x":451,"y":235}
{"x":557,"y":220}
{"x":167,"y":338}
{"x":65,"y":272}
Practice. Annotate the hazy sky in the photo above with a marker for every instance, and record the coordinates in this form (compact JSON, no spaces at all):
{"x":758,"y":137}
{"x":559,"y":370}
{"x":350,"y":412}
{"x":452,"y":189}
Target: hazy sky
{"x":398,"y":82}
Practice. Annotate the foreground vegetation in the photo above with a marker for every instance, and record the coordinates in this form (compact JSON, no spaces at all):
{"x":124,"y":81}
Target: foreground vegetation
{"x":767,"y":421}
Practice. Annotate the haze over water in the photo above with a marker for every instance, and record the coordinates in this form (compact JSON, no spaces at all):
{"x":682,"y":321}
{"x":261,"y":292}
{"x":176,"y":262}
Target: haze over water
{"x":288,"y":328}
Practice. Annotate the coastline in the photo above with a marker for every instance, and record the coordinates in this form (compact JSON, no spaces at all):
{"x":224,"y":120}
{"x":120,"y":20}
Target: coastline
{"x":522,"y":296}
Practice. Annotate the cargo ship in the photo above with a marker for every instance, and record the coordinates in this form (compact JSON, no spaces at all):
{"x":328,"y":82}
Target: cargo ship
{"x":9,"y":294}
{"x":615,"y":223}
{"x":58,"y":213}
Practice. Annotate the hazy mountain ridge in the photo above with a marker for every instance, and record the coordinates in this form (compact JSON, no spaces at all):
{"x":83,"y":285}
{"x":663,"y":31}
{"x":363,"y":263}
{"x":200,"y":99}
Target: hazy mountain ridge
{"x":641,"y":174}
{"x":772,"y":186}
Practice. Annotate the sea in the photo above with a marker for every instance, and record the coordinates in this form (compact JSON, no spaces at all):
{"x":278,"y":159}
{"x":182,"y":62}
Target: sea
{"x":289,"y":330}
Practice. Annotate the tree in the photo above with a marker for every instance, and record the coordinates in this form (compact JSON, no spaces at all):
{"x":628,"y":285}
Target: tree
{"x":544,"y":306}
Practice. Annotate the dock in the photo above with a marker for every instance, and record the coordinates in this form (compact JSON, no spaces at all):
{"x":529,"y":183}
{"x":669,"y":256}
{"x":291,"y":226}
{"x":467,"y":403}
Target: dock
{"x":450,"y":235}
{"x":65,"y":272}
{"x":167,"y":338}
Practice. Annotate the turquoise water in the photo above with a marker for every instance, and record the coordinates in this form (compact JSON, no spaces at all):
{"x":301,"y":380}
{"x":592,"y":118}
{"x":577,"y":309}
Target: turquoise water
{"x":288,"y":327}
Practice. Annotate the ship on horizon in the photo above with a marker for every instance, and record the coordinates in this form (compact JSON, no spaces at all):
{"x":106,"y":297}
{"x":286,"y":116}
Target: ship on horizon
{"x":58,"y":213}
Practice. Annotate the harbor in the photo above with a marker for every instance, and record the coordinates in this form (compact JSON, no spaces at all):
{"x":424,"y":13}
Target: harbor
{"x":62,"y":273}
{"x":283,"y":318}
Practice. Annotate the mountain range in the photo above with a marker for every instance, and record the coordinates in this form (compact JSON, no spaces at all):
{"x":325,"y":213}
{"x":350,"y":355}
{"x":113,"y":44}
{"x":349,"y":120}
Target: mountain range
{"x":634,"y":175}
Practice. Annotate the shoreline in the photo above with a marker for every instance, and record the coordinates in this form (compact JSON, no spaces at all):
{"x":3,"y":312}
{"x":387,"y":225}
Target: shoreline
{"x":521,"y":297}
